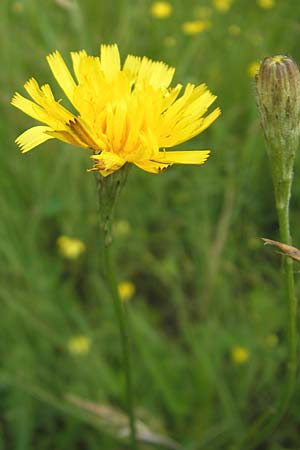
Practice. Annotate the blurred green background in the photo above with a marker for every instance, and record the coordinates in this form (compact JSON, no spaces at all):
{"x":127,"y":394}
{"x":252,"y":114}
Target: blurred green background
{"x":204,"y":297}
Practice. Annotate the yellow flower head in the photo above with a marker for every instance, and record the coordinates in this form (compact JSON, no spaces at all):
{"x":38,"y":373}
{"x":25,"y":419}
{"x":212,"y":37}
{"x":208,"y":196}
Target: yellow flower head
{"x":195,"y":27}
{"x":161,"y":10}
{"x":253,"y":68}
{"x":70,"y":248}
{"x":79,"y":345}
{"x":126,"y":290}
{"x":266,"y":4}
{"x":240,"y":355}
{"x":124,"y":114}
{"x":222,"y":5}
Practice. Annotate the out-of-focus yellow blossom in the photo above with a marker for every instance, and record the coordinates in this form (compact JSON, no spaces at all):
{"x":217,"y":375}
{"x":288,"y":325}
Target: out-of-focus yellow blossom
{"x":69,"y":247}
{"x":126,"y":114}
{"x":222,"y":5}
{"x":240,"y":355}
{"x":161,"y":10}
{"x":79,"y":345}
{"x":195,"y":27}
{"x":126,"y":290}
{"x":234,"y":30}
{"x":271,"y":340}
{"x":170,"y":41}
{"x":121,"y":228}
{"x":203,"y":12}
{"x":253,"y":68}
{"x":266,"y":4}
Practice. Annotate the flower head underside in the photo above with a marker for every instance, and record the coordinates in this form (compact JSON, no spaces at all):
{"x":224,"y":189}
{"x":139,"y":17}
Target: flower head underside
{"x":124,"y":114}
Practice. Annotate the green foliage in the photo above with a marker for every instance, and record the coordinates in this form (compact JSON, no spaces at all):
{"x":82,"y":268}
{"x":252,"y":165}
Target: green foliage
{"x":204,"y":282}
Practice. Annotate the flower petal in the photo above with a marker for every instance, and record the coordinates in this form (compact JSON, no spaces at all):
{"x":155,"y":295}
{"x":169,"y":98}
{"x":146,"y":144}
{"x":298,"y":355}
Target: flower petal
{"x":107,"y":163}
{"x":77,"y":57}
{"x":110,"y":61}
{"x":43,"y":96}
{"x":62,"y":74}
{"x":152,"y":166}
{"x":33,"y":137}
{"x":30,"y":108}
{"x":156,"y":73}
{"x":183,"y":157}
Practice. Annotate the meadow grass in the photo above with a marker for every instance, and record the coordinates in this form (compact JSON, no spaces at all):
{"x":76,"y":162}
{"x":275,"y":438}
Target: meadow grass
{"x":187,"y":239}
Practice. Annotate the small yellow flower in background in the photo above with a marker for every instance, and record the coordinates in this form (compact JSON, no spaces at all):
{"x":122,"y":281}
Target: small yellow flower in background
{"x":121,"y":228}
{"x":222,"y":5}
{"x":266,"y":4}
{"x":126,"y":290}
{"x":161,"y":10}
{"x":240,"y":355}
{"x":70,"y":248}
{"x":234,"y":30}
{"x":79,"y":345}
{"x":253,"y":68}
{"x":203,"y":12}
{"x":125,"y":115}
{"x":195,"y":27}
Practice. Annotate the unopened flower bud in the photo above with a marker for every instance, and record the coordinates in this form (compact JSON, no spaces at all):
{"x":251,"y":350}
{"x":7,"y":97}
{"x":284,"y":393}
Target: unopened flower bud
{"x":278,"y":101}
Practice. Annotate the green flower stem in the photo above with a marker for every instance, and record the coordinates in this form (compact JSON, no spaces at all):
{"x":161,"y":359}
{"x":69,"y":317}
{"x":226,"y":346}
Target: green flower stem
{"x":109,"y":189}
{"x":267,"y":422}
{"x":125,"y":340}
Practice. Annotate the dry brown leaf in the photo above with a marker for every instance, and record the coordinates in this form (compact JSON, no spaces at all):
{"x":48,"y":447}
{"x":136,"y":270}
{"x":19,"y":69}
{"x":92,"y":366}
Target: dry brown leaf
{"x":286,"y":250}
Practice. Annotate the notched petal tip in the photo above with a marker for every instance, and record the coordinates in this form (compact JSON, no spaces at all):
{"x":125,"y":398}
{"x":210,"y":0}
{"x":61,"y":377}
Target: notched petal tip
{"x":206,"y":156}
{"x":14,"y":98}
{"x":33,"y":137}
{"x":53,"y":56}
{"x":31,"y":81}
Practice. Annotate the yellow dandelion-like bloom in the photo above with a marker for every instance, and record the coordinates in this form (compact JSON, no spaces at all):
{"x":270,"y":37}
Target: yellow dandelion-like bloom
{"x":126,"y":290}
{"x":222,"y":5}
{"x":125,"y":115}
{"x":79,"y":345}
{"x":240,"y":355}
{"x":266,"y":4}
{"x":161,"y":10}
{"x":253,"y":68}
{"x":70,"y":248}
{"x":234,"y":30}
{"x":195,"y":27}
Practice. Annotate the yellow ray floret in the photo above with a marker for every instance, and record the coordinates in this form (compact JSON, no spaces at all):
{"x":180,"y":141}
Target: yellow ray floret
{"x":126,"y":114}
